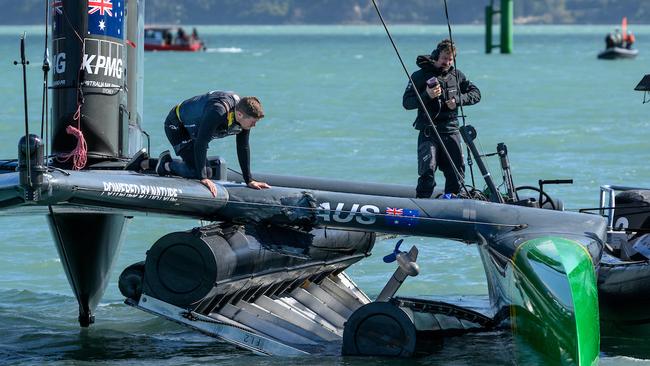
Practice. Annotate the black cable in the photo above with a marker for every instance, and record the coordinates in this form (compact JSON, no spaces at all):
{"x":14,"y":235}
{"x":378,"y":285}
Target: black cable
{"x":459,"y":177}
{"x":24,"y":63}
{"x":47,"y":127}
{"x":470,"y":162}
{"x":65,"y":15}
{"x":46,"y":69}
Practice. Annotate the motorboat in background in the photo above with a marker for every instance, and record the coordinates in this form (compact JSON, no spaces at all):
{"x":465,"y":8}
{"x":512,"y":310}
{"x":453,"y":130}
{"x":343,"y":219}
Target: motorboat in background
{"x":619,"y":44}
{"x":171,"y":38}
{"x":613,"y":53}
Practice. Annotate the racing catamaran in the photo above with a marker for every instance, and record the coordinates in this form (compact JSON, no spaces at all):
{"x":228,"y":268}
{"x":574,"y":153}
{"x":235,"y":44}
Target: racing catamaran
{"x":268,"y":274}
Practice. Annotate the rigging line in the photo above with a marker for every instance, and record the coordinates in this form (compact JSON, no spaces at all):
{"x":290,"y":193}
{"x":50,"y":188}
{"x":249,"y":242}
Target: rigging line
{"x":459,"y":177}
{"x":83,"y":52}
{"x":24,"y":63}
{"x":46,"y":69}
{"x":48,"y":147}
{"x":488,"y":167}
{"x":44,"y":79}
{"x":470,"y":162}
{"x":65,"y":15}
{"x":460,"y":102}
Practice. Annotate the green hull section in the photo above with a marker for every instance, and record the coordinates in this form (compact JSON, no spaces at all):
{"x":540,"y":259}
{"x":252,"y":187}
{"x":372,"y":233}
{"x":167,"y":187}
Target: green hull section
{"x":556,"y":310}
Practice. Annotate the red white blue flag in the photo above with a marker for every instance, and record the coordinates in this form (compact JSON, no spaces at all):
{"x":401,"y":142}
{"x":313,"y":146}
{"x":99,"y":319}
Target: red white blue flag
{"x":57,"y":6}
{"x":57,"y":16}
{"x":394,"y":211}
{"x":401,"y":216}
{"x":101,"y":6}
{"x":106,"y":18}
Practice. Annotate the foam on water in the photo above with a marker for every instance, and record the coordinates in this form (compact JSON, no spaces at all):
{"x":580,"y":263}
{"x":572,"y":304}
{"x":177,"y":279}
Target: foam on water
{"x":224,"y":50}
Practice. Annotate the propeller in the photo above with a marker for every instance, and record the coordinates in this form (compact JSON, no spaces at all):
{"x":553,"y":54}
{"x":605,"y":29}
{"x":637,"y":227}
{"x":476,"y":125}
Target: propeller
{"x":392,"y":257}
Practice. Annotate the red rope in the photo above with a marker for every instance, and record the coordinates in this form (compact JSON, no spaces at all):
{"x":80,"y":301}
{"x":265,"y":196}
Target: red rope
{"x":80,"y":153}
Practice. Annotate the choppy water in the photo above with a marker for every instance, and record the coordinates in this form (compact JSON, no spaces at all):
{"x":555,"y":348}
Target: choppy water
{"x":333,"y":100}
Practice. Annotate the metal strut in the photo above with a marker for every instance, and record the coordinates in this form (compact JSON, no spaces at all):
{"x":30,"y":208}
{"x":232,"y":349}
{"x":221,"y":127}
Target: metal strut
{"x":469,"y":134}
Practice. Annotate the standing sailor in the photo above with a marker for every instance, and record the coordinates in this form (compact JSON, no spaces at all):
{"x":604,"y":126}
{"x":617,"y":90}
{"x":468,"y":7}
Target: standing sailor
{"x":442,"y":88}
{"x":192,"y":124}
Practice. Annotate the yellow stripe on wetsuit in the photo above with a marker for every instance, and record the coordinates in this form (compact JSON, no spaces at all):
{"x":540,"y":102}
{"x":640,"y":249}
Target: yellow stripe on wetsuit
{"x":178,"y":112}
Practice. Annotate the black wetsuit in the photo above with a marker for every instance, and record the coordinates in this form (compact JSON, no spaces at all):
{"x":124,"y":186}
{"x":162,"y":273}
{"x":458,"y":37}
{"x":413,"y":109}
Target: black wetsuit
{"x":455,"y":85}
{"x":192,"y":124}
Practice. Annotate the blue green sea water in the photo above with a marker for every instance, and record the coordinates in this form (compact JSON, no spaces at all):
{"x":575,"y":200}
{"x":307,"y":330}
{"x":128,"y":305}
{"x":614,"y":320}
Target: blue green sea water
{"x":332,"y":96}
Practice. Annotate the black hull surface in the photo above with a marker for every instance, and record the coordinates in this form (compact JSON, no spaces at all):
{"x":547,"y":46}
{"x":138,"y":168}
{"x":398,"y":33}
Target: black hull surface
{"x":614,"y":53}
{"x":88,"y":245}
{"x":625,"y":281}
{"x":624,"y":293}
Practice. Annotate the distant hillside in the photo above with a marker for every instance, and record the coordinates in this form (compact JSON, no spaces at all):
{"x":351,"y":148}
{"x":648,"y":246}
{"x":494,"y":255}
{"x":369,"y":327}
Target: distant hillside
{"x":358,"y":11}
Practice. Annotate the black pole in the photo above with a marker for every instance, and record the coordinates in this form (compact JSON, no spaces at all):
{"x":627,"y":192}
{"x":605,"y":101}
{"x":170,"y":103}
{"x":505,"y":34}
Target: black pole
{"x":46,"y":69}
{"x":470,"y":163}
{"x":24,"y":62}
{"x":459,"y":176}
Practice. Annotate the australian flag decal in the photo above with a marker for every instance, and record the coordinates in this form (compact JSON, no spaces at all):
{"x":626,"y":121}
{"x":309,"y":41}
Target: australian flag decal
{"x":106,"y":18}
{"x":401,"y":217}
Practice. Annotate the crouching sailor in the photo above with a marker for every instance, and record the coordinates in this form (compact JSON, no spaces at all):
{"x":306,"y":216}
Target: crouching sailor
{"x":192,"y":124}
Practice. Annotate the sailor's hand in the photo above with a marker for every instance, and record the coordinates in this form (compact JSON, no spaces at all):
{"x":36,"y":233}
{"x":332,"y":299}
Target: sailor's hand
{"x":210,"y":184}
{"x":258,"y":185}
{"x":451,"y":103}
{"x":434,"y":92}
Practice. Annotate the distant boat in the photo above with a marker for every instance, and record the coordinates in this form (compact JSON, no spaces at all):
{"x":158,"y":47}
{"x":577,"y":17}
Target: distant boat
{"x":162,"y":38}
{"x":617,"y":52}
{"x":619,"y":44}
